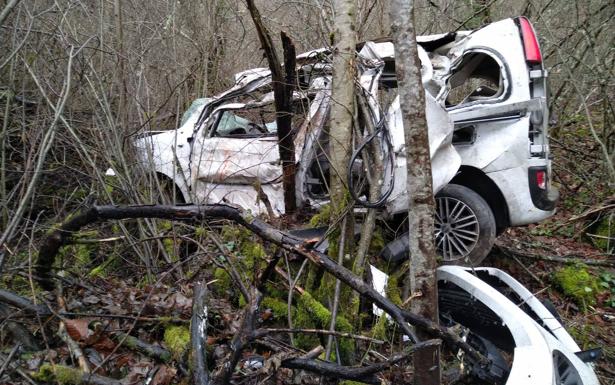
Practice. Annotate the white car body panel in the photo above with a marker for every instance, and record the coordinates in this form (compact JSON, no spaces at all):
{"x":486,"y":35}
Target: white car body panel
{"x":533,"y":361}
{"x":234,"y":170}
{"x":535,"y":345}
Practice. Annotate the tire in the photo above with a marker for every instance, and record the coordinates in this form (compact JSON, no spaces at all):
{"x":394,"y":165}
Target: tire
{"x":464,"y":226}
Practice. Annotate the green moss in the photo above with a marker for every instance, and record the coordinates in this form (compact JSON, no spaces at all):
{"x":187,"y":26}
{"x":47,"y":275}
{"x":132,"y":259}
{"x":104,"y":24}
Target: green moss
{"x":379,"y":330}
{"x":251,"y":251}
{"x":169,"y":245}
{"x":576,"y":282}
{"x":278,"y":307}
{"x":322,"y":218}
{"x":223,"y":281}
{"x":58,"y":373}
{"x":348,"y":382}
{"x":605,"y":234}
{"x":322,"y":318}
{"x":200,"y":231}
{"x":165,"y":225}
{"x":242,"y":301}
{"x":377,"y":243}
{"x":582,"y":334}
{"x":102,"y":270}
{"x":177,"y":339}
{"x":249,"y":248}
{"x":392,"y":290}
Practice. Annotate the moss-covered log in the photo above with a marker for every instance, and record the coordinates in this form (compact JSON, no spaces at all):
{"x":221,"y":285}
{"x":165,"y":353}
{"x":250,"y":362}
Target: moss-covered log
{"x":61,"y":236}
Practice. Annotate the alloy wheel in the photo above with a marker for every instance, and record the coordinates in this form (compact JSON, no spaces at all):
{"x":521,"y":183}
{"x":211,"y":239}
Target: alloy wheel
{"x":456,"y":228}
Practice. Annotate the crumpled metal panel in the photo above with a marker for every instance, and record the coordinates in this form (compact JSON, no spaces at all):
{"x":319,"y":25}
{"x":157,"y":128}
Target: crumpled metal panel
{"x":232,"y":170}
{"x":445,"y":160}
{"x":239,"y":161}
{"x":243,"y":195}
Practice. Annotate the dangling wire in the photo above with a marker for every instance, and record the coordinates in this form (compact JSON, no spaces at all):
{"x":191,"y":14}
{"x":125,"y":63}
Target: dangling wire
{"x":381,"y":127}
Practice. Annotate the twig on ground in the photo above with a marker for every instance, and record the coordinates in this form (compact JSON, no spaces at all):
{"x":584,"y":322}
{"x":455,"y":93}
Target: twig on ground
{"x":149,"y":350}
{"x":17,"y":369}
{"x":73,"y":346}
{"x":58,"y":238}
{"x":19,"y":333}
{"x":363,"y":374}
{"x":8,"y":359}
{"x":23,"y":303}
{"x":198,"y":335}
{"x":262,"y":332}
{"x":554,"y":258}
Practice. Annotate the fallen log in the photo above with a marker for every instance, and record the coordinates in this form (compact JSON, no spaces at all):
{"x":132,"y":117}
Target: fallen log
{"x":197,"y":213}
{"x":364,"y":374}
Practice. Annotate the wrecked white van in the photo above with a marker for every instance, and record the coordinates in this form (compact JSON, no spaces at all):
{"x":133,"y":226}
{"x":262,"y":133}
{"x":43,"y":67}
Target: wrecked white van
{"x":487,"y":119}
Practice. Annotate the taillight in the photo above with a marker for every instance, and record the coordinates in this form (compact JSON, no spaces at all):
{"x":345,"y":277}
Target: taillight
{"x":541,"y":179}
{"x":530,"y":43}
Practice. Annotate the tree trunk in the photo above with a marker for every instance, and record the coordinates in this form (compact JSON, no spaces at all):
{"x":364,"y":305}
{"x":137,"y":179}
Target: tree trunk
{"x":422,"y":272}
{"x":342,"y":95}
{"x":283,"y":86}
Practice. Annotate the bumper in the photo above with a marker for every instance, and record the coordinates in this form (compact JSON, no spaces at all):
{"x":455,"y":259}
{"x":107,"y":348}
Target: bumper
{"x":512,"y":319}
{"x":543,"y":198}
{"x":513,"y":183}
{"x":544,"y":354}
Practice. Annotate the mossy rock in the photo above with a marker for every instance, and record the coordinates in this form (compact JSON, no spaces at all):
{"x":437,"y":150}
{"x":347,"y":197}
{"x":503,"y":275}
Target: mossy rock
{"x":58,"y":374}
{"x":576,"y":282}
{"x":177,"y":340}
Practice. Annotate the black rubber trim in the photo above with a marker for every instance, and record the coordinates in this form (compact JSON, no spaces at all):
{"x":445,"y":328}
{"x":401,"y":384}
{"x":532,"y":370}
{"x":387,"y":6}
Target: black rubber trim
{"x":540,"y":197}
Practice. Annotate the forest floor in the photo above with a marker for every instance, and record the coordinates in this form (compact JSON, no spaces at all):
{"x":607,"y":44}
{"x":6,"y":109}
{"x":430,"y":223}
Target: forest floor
{"x":159,"y":314}
{"x":107,"y":295}
{"x":522,"y":254}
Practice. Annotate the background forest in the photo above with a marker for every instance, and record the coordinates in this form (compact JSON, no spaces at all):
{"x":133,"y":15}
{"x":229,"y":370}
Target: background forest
{"x":80,"y":79}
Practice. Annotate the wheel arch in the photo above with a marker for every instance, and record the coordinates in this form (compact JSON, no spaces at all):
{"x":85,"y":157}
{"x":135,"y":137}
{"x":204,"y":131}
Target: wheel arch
{"x":484,"y":186}
{"x":162,"y":177}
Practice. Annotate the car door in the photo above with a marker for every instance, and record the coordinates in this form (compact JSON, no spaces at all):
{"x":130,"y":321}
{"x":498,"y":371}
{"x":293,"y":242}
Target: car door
{"x":237,"y":160}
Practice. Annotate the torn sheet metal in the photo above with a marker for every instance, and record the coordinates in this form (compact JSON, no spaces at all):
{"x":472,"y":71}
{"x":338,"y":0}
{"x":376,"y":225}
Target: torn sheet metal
{"x":445,"y":160}
{"x":225,"y":169}
{"x":494,"y":306}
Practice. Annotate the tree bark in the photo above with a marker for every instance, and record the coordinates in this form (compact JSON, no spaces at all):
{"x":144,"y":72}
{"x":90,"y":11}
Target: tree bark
{"x":283,"y":85}
{"x":342,"y":99}
{"x":422,"y":272}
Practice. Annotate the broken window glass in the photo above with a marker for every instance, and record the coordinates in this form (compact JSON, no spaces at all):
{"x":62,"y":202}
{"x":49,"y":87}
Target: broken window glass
{"x":257,"y":120}
{"x":477,"y":78}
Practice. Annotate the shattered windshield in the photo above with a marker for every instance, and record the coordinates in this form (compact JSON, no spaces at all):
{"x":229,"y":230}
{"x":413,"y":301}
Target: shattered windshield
{"x":231,"y":123}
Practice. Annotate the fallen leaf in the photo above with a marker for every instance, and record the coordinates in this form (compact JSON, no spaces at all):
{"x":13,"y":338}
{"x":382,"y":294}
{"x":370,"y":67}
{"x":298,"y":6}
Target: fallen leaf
{"x":78,"y":329}
{"x":105,"y":345}
{"x":164,"y":375}
{"x":91,"y":300}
